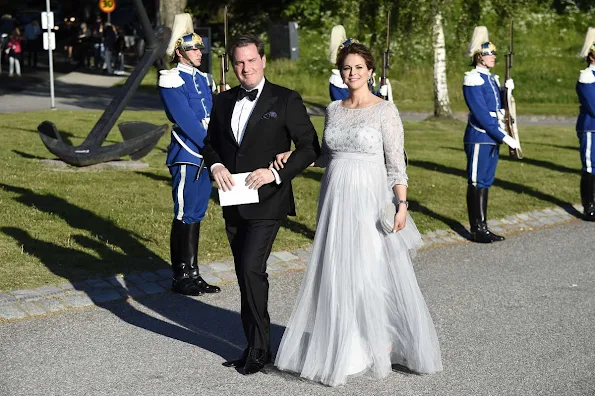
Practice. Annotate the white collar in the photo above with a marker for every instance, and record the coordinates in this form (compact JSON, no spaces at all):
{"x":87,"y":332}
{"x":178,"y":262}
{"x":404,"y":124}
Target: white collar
{"x":483,"y":70}
{"x":189,"y":69}
{"x":336,"y":72}
{"x":592,"y":66}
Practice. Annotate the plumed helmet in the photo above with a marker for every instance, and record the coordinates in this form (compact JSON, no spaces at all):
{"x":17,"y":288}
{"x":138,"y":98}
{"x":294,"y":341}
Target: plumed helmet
{"x":183,"y":36}
{"x":589,"y":45}
{"x":338,"y":36}
{"x":480,"y":43}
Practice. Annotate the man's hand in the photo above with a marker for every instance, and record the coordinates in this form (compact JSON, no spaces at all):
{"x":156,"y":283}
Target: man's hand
{"x":259,"y":178}
{"x":280,"y":160}
{"x":512,"y":142}
{"x":223,"y":178}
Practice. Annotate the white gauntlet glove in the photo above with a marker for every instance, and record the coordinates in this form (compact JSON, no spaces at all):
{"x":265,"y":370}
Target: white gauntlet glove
{"x":511,"y":142}
{"x":509,"y":84}
{"x":383,"y":90}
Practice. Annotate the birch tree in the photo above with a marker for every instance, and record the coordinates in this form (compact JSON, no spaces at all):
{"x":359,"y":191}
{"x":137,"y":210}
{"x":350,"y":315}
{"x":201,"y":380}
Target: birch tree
{"x":168,"y":9}
{"x":441,"y":100}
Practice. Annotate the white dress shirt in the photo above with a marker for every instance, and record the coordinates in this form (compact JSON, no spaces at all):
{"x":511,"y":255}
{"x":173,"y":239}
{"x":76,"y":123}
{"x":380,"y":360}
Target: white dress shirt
{"x":242,"y":111}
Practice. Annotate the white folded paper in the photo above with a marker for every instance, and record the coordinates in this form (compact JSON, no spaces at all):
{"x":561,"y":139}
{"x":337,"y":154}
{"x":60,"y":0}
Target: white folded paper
{"x":240,"y":193}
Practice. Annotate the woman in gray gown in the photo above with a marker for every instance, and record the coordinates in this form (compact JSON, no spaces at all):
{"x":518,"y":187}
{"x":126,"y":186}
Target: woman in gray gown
{"x":359,"y":309}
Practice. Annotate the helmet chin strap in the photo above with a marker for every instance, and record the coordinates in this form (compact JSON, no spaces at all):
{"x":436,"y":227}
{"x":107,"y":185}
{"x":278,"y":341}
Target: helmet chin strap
{"x":185,"y":56}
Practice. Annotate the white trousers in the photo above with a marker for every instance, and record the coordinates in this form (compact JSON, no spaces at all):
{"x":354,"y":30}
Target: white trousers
{"x":14,"y":63}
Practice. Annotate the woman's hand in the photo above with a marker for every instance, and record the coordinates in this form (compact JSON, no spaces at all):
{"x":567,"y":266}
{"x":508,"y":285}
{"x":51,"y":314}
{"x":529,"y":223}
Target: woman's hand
{"x":400,"y":218}
{"x":280,"y":160}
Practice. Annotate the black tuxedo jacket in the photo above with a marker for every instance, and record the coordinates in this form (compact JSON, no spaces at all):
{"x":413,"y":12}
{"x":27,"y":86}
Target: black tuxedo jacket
{"x":279,"y":117}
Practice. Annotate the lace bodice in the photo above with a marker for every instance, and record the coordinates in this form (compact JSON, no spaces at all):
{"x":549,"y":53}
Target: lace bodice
{"x":372,"y":130}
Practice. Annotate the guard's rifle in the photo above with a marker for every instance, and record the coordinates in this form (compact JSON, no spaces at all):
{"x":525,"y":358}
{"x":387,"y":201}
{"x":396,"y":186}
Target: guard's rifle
{"x":386,"y":55}
{"x":510,"y":118}
{"x":223,"y":60}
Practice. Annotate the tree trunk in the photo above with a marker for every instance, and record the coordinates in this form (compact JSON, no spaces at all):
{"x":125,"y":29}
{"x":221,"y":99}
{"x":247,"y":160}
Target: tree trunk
{"x":441,"y":101}
{"x":168,"y":9}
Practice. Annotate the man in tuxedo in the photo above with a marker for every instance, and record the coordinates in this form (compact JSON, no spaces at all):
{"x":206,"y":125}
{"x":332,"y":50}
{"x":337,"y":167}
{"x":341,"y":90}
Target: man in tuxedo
{"x":249,"y":125}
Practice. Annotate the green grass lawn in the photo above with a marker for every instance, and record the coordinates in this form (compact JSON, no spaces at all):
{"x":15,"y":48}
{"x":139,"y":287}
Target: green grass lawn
{"x":77,"y":224}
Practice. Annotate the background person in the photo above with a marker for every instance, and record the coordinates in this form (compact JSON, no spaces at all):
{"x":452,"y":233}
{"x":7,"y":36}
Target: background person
{"x":14,"y":52}
{"x":484,"y":133}
{"x":32,"y":37}
{"x":585,"y":125}
{"x":187,"y":99}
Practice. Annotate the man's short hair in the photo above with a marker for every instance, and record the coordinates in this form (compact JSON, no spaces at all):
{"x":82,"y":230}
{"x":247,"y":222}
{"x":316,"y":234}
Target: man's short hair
{"x":244,"y":40}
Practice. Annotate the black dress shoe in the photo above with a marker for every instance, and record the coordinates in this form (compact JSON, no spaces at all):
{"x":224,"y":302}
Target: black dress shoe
{"x":187,"y":287}
{"x":257,"y":358}
{"x":205,"y":287}
{"x":241,"y":362}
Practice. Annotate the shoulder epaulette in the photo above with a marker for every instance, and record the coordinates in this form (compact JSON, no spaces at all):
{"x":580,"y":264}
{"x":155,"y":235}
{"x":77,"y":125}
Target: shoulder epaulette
{"x":170,"y":79}
{"x":337,"y":81}
{"x":473,"y":78}
{"x":586,"y":77}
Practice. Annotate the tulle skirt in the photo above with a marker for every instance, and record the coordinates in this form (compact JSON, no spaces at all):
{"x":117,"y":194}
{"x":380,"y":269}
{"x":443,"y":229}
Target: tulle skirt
{"x":359,"y":308}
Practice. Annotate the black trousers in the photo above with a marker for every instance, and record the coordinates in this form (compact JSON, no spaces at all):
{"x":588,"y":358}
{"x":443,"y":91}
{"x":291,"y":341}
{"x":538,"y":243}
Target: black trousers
{"x":251,"y":242}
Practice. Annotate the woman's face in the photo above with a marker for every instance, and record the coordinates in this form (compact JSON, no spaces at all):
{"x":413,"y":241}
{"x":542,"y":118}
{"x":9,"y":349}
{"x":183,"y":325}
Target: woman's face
{"x":489,"y":61}
{"x":354,"y":71}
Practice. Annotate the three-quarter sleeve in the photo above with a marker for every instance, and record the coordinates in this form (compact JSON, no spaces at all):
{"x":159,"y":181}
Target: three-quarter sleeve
{"x":393,"y":140}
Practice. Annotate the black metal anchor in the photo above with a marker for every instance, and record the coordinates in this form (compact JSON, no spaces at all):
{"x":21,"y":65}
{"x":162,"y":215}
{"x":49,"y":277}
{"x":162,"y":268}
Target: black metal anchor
{"x":139,"y":137}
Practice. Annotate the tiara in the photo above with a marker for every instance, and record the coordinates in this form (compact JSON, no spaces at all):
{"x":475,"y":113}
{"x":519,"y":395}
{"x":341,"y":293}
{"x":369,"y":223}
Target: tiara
{"x":347,"y":43}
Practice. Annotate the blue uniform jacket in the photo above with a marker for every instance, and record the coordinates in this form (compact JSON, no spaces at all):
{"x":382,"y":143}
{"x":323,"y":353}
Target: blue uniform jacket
{"x":188,"y":101}
{"x":483,"y":97}
{"x":585,"y":88}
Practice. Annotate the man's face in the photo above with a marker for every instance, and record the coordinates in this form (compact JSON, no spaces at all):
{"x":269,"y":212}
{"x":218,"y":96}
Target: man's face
{"x":248,"y":66}
{"x":194,"y":55}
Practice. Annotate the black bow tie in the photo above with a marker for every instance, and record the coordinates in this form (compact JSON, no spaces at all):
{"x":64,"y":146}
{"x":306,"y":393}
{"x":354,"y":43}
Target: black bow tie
{"x":251,"y":95}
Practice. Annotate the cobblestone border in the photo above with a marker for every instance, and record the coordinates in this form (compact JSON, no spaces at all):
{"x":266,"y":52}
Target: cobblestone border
{"x":30,"y":303}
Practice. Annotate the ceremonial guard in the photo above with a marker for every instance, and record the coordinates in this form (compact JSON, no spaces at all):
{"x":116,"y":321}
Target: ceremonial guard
{"x":585,"y":124}
{"x":484,"y":133}
{"x":337,"y":87}
{"x":187,"y":97}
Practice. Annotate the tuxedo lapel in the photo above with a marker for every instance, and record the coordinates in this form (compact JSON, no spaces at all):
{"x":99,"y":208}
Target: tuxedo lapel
{"x":264,"y":103}
{"x":229,"y":106}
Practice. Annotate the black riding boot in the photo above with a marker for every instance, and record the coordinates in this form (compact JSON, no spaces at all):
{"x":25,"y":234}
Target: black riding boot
{"x":183,"y":256}
{"x":194,"y":272}
{"x":588,"y":195}
{"x":483,"y":197}
{"x":478,"y":227}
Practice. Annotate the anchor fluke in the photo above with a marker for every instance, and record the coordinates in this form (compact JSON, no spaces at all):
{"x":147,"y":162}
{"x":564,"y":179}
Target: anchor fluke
{"x":85,"y":155}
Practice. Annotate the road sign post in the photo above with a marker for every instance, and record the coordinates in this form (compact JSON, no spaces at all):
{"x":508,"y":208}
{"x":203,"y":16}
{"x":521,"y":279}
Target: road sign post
{"x":49,"y":43}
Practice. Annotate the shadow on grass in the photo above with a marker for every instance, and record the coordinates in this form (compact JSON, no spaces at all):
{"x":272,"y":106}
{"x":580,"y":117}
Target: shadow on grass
{"x":27,"y":155}
{"x":186,"y":319}
{"x":453,"y":224}
{"x":518,"y":188}
{"x":535,"y":162}
{"x":571,"y":148}
{"x":119,"y":250}
{"x":155,"y":177}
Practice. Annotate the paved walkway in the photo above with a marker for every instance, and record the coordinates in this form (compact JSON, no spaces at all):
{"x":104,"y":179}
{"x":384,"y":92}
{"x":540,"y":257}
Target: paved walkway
{"x":513,"y":319}
{"x":30,"y":303}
